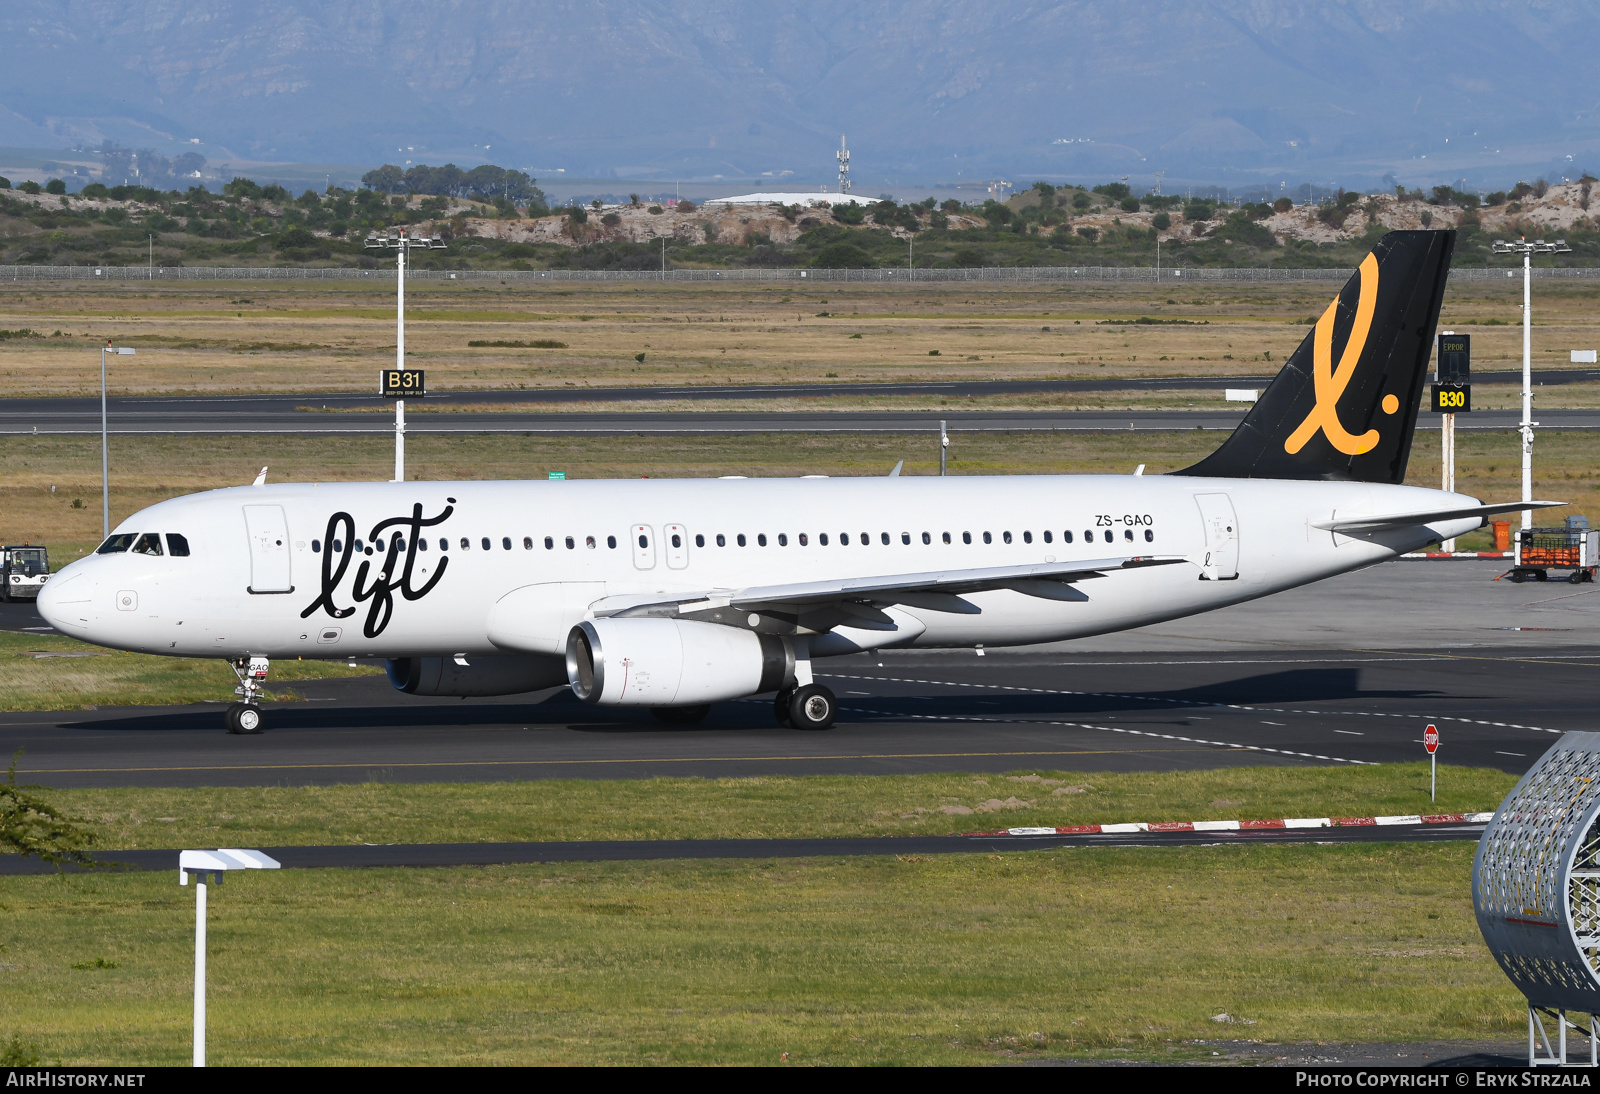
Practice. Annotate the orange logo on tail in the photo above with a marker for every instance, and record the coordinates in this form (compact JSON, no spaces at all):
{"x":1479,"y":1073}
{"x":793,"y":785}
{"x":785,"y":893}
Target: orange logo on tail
{"x":1330,"y":382}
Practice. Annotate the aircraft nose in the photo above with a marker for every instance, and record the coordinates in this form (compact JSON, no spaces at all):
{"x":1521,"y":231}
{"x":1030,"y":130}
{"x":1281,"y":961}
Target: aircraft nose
{"x":65,"y":603}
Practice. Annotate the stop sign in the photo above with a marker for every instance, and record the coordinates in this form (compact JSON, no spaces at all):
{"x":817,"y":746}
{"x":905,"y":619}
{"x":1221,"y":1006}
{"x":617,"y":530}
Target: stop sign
{"x":1430,"y":739}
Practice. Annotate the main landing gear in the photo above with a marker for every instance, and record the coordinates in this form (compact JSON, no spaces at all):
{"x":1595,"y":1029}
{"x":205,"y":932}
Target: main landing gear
{"x":245,"y":716}
{"x":809,"y":706}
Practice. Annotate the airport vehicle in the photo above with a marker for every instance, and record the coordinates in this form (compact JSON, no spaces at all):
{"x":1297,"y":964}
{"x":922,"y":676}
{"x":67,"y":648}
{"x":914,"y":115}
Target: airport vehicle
{"x":674,"y":594}
{"x":1572,"y":547}
{"x":24,"y":569}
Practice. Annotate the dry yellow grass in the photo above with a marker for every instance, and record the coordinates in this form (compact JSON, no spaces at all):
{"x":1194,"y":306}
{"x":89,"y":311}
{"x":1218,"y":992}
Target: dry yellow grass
{"x":307,"y":337}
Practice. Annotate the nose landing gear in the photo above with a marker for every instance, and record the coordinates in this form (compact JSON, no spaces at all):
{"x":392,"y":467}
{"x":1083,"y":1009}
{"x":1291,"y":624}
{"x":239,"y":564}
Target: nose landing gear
{"x":245,"y":717}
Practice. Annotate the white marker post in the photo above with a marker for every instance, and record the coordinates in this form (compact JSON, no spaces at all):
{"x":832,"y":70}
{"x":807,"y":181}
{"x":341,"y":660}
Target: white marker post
{"x":1430,"y":741}
{"x":201,"y":863}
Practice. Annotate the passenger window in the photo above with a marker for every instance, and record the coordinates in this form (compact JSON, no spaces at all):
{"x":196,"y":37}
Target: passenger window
{"x":466,"y":544}
{"x":1066,"y":537}
{"x":1127,"y":534}
{"x":926,"y":538}
{"x":987,"y":538}
{"x":611,"y":542}
{"x":338,"y":546}
{"x":1108,"y":535}
{"x":1088,"y":536}
{"x":761,"y":539}
{"x":740,"y":540}
{"x":644,"y":541}
{"x":422,"y":543}
{"x":588,"y":541}
{"x":946,"y":537}
{"x":549,"y":543}
{"x":866,"y":539}
{"x":905,"y":537}
{"x":316,"y":547}
{"x":677,"y":540}
{"x":844,"y":539}
{"x":117,"y":544}
{"x":359,"y":546}
{"x":966,"y":537}
{"x":570,"y":544}
{"x":783,"y":539}
{"x":1006,"y":536}
{"x":444,"y":544}
{"x":1048,"y":538}
{"x":722,"y":540}
{"x":823,"y":539}
{"x":699,"y":540}
{"x":527,"y":543}
{"x":804,"y":539}
{"x":1149,"y":536}
{"x":486,"y":543}
{"x":1027,"y":537}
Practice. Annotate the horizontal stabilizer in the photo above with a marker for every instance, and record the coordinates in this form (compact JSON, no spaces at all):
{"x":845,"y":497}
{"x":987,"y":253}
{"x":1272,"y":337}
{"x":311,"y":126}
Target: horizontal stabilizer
{"x":1412,"y":520}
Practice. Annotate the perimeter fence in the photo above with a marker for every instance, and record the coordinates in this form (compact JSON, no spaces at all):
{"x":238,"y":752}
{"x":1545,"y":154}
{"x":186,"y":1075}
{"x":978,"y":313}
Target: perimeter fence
{"x":1175,"y":275}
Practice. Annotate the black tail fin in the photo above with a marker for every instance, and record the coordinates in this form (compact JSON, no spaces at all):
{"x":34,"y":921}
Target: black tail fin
{"x":1345,"y":406}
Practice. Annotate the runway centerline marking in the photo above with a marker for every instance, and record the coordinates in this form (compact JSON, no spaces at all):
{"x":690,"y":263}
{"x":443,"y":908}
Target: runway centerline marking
{"x":1195,"y":702}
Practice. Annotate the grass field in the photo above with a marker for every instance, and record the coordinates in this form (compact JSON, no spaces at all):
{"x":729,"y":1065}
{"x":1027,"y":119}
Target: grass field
{"x":895,"y":960}
{"x":149,"y":469}
{"x":309,"y":337}
{"x":766,"y":807}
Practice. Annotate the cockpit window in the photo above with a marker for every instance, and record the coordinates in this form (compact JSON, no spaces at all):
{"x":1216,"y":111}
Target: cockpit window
{"x":117,"y":544}
{"x":148,"y":544}
{"x":178,"y":546}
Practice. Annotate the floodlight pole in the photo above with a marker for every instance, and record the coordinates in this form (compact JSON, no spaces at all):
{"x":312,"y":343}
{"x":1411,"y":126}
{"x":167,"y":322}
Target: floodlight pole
{"x":944,"y":446}
{"x":402,"y":245}
{"x":105,"y":456}
{"x":200,"y":864}
{"x":1527,"y":251}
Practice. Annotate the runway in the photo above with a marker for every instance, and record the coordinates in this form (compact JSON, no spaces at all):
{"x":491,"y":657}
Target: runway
{"x":346,"y":413}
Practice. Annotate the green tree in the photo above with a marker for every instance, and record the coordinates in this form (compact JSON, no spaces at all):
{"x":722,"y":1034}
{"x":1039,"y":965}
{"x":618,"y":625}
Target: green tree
{"x":849,"y":212}
{"x":1161,"y":222}
{"x":1129,"y":205}
{"x":1080,"y":200}
{"x":29,"y":825}
{"x":1116,"y":191}
{"x":55,"y":186}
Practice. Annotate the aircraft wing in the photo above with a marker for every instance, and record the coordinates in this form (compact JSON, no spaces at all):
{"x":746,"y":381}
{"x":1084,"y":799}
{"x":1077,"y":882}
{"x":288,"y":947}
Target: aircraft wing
{"x":1379,"y":522}
{"x":884,"y":588}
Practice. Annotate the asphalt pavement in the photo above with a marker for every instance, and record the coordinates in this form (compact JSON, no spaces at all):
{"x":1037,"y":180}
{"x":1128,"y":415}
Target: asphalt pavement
{"x":354,"y":413}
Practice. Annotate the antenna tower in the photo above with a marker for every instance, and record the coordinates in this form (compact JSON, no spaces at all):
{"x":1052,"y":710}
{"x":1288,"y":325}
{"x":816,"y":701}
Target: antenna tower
{"x":843,"y":156}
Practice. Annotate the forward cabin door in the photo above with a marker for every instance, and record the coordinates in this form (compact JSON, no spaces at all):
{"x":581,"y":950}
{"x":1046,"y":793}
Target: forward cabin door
{"x":268,"y":533}
{"x":1221,"y":525}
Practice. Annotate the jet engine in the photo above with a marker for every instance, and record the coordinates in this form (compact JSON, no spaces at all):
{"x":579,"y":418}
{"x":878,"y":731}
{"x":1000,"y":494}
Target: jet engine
{"x":474,"y":675}
{"x":673,"y":662}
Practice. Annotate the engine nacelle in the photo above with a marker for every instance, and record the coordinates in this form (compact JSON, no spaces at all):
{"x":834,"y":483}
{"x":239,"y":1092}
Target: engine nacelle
{"x":654,"y":662}
{"x":479,"y":676}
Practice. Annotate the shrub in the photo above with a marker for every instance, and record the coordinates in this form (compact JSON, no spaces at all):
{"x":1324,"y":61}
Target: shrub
{"x":1080,"y":200}
{"x":577,"y":215}
{"x":1496,"y":198}
{"x":951,"y":205}
{"x":611,"y":220}
{"x":969,"y":258}
{"x":1540,"y":187}
{"x":842,"y":256}
{"x":1046,"y":191}
{"x":849,"y":213}
{"x":5,"y":183}
{"x":1116,"y":191}
{"x":1198,"y":210}
{"x":1161,"y":222}
{"x":685,"y":206}
{"x":30,"y":187}
{"x":1091,"y":234}
{"x":1520,"y":191}
{"x":94,"y":190}
{"x":55,"y":186}
{"x":1282,"y":205}
{"x":1129,"y":205}
{"x":655,"y":210}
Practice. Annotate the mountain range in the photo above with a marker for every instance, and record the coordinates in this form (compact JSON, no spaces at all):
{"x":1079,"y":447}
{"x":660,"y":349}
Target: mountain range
{"x":1232,"y":92}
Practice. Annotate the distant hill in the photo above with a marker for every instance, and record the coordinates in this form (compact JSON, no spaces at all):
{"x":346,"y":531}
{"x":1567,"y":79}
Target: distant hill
{"x":1232,"y":92}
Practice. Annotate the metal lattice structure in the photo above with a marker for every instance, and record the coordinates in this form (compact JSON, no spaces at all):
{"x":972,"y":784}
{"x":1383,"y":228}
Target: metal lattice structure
{"x":1536,"y":886}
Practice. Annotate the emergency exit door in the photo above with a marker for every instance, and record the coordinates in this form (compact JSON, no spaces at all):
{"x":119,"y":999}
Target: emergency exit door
{"x":268,"y":533}
{"x":1221,"y":561}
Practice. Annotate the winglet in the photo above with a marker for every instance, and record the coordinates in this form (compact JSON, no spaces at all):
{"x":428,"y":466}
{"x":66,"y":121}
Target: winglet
{"x":895,"y":474}
{"x":261,"y":478}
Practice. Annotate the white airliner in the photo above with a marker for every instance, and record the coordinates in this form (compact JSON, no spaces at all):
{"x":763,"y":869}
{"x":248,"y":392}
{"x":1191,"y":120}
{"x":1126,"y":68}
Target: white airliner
{"x":674,"y":594}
